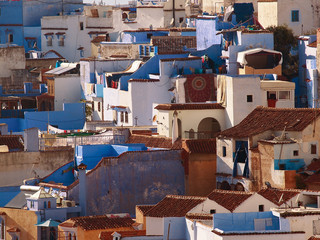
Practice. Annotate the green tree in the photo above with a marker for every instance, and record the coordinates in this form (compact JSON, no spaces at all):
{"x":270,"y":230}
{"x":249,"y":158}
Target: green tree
{"x":284,"y":41}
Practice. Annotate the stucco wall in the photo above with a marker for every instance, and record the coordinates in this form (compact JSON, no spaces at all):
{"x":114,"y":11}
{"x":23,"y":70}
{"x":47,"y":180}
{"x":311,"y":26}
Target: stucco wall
{"x":24,"y":220}
{"x":11,"y":58}
{"x":17,"y":166}
{"x":141,"y":177}
{"x":201,"y":179}
{"x":268,"y":14}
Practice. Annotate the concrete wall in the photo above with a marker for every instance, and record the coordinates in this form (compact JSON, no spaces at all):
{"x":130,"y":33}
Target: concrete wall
{"x":143,"y":177}
{"x":268,"y":14}
{"x":11,"y":58}
{"x":154,"y":226}
{"x":24,"y":220}
{"x":17,"y":166}
{"x":67,"y":89}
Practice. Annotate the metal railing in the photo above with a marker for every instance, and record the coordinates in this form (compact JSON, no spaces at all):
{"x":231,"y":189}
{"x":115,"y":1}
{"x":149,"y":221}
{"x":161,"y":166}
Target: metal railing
{"x":72,"y":141}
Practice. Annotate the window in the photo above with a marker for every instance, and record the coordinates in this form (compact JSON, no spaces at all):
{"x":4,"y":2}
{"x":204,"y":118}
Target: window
{"x":212,"y":211}
{"x":295,"y":16}
{"x":10,"y":38}
{"x":61,"y":41}
{"x":295,"y":153}
{"x":272,"y":95}
{"x":81,"y":26}
{"x":181,"y":20}
{"x":99,"y":107}
{"x":49,"y":41}
{"x":261,"y":208}
{"x":149,"y":35}
{"x":249,"y":98}
{"x":282,"y":167}
{"x":126,"y":117}
{"x":121,"y":117}
{"x":284,"y":94}
{"x":49,"y":204}
{"x":32,"y":204}
{"x":224,"y":151}
{"x":69,"y":236}
{"x":313,"y":149}
{"x":2,"y":228}
{"x":45,"y":204}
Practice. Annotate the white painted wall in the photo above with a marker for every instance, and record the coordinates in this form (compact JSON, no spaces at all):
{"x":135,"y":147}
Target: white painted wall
{"x":154,"y":226}
{"x":66,"y":90}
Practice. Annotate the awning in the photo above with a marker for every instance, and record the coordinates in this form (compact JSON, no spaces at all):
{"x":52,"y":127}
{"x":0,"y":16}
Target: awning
{"x":119,"y":108}
{"x":48,"y":223}
{"x":65,"y":67}
{"x":242,"y":55}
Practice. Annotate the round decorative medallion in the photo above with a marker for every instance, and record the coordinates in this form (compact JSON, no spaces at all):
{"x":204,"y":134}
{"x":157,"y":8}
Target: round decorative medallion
{"x":198,"y":83}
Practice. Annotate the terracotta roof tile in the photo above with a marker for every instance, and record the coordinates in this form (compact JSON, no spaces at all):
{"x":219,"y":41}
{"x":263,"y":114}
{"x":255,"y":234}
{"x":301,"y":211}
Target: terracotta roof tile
{"x":263,"y":119}
{"x":199,"y":216}
{"x":299,"y":214}
{"x":156,"y":142}
{"x":189,"y":106}
{"x":275,"y":195}
{"x":313,"y":44}
{"x":190,"y":145}
{"x":144,"y":208}
{"x":100,"y":222}
{"x":108,"y":235}
{"x":173,"y":44}
{"x":313,"y":238}
{"x":314,"y":166}
{"x":229,"y":199}
{"x":174,"y":206}
{"x":99,"y":39}
{"x":315,"y":178}
{"x":14,"y":142}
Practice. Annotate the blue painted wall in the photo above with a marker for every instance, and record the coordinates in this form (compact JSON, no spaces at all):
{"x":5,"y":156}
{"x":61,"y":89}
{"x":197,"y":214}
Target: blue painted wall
{"x":142,"y":177}
{"x":28,"y":91}
{"x":290,"y":164}
{"x":151,"y":66}
{"x":233,"y":222}
{"x":71,"y":118}
{"x":64,"y":175}
{"x":141,"y":37}
{"x":7,"y":194}
{"x":91,"y":155}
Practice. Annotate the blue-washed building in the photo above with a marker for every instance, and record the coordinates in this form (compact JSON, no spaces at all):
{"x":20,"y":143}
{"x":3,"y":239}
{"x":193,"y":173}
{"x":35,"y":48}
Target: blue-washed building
{"x":20,"y":20}
{"x":113,"y":174}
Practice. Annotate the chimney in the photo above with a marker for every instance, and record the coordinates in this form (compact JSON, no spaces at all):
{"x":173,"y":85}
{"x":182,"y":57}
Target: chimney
{"x":83,"y":188}
{"x":31,"y":140}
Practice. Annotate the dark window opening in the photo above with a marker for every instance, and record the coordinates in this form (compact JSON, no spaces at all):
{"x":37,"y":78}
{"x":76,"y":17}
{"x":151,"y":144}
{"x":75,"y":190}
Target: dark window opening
{"x":282,"y":167}
{"x":249,"y":98}
{"x":126,"y":117}
{"x":295,"y":153}
{"x":181,"y":20}
{"x":241,"y":151}
{"x":224,"y":151}
{"x":313,"y":149}
{"x":10,"y":38}
{"x":261,"y":208}
{"x":149,"y":35}
{"x":99,"y":107}
{"x":81,"y":26}
{"x":212,"y":211}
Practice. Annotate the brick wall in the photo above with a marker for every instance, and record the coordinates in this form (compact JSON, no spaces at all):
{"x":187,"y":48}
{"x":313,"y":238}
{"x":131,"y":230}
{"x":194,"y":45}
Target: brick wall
{"x":173,"y":44}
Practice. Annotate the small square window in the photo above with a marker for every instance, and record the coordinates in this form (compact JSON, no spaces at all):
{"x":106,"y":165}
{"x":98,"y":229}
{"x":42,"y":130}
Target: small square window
{"x":149,"y":35}
{"x":181,"y":20}
{"x":313,"y":149}
{"x":284,"y":95}
{"x":224,"y":151}
{"x":249,"y":98}
{"x":261,"y":208}
{"x":295,"y":16}
{"x":295,"y":153}
{"x":282,"y":167}
{"x":212,"y":211}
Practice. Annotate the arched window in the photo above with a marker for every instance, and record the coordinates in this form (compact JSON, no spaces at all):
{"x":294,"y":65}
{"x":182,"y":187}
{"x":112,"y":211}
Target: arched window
{"x":69,"y":236}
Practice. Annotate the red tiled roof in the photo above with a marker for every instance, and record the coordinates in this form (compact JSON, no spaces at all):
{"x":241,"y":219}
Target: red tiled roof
{"x":263,"y":119}
{"x":174,"y":206}
{"x":144,"y":208}
{"x":315,"y":178}
{"x":313,"y":238}
{"x":313,"y":44}
{"x":108,"y":235}
{"x":190,"y":145}
{"x":156,"y":142}
{"x":275,"y":195}
{"x":97,"y":32}
{"x":144,"y":80}
{"x":200,"y":145}
{"x":229,"y":199}
{"x":199,"y":216}
{"x":99,"y":39}
{"x":12,"y":141}
{"x":189,"y":106}
{"x":100,"y":222}
{"x":314,"y":165}
{"x":299,"y":214}
{"x":2,"y":213}
{"x":173,"y":44}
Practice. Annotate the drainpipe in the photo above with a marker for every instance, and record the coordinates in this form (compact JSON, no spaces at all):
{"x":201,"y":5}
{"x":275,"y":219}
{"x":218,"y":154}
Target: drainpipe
{"x":83,"y":188}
